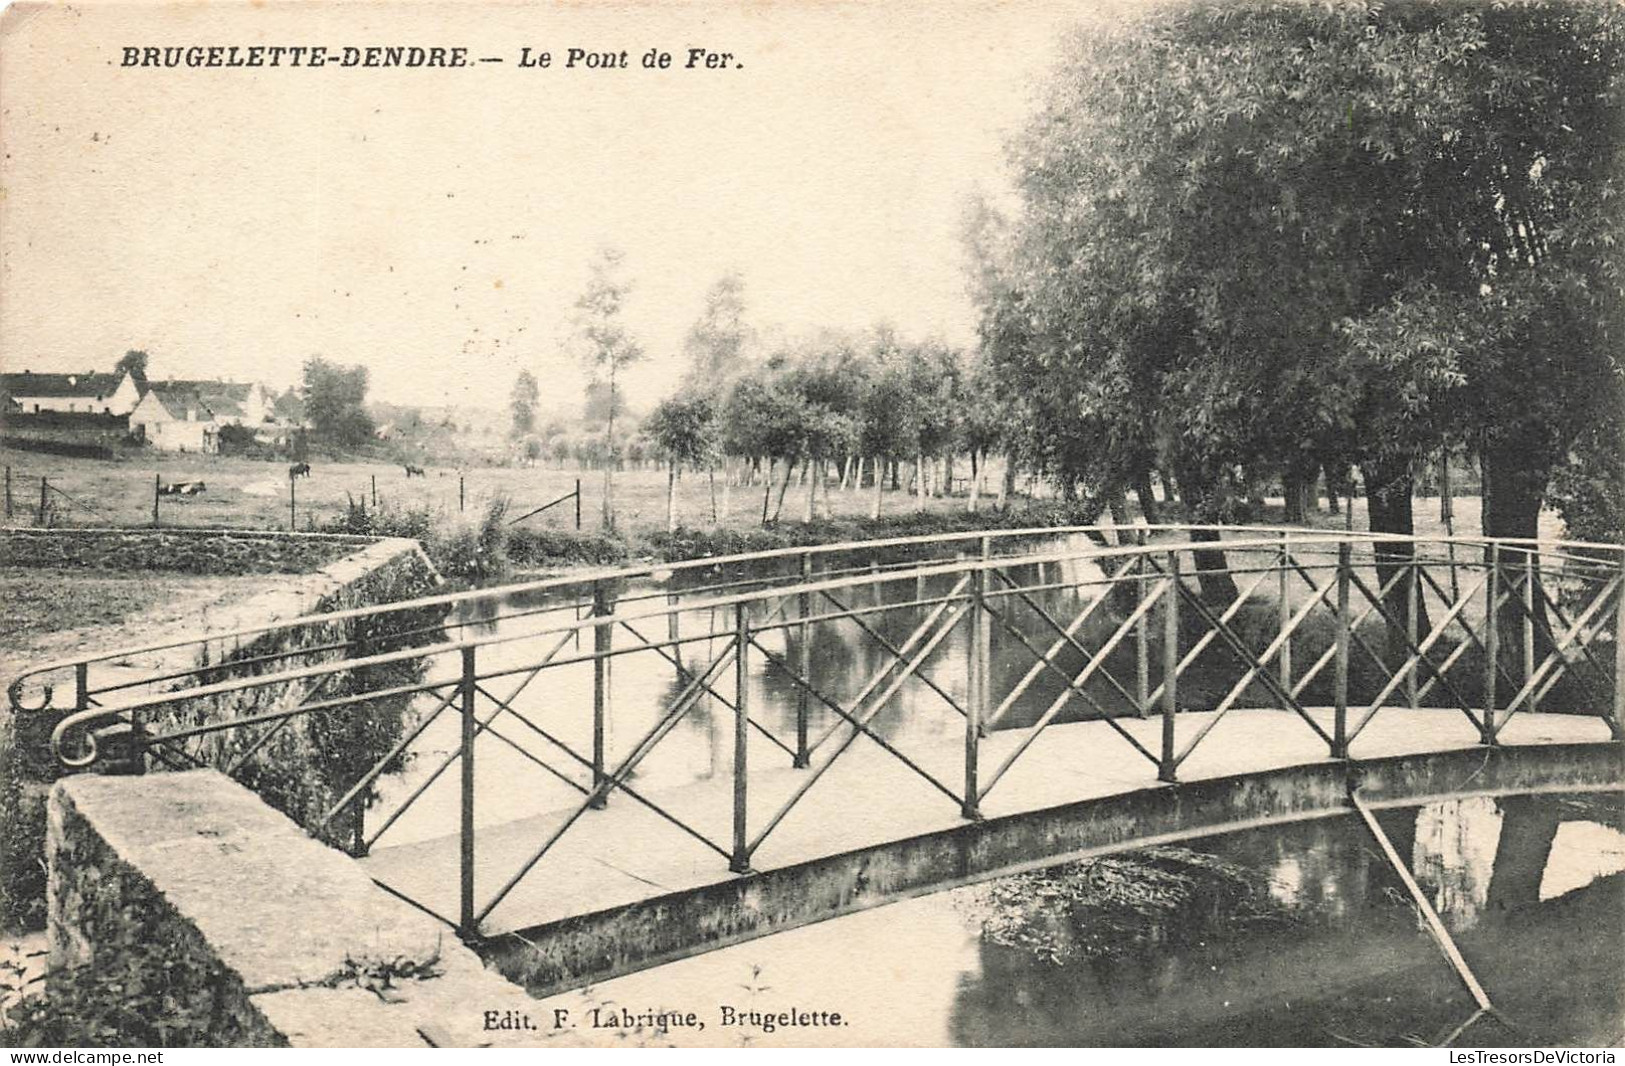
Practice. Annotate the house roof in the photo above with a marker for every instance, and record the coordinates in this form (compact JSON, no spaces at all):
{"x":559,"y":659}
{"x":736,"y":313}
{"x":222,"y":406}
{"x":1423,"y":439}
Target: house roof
{"x":176,"y":402}
{"x":225,"y":398}
{"x":90,"y":385}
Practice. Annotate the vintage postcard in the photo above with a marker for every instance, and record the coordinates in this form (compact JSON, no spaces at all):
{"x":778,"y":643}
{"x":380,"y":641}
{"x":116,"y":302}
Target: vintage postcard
{"x":1084,"y":523}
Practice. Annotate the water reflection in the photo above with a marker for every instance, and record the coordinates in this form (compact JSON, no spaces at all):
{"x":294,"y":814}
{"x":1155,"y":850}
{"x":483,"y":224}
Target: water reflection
{"x":1299,"y":935}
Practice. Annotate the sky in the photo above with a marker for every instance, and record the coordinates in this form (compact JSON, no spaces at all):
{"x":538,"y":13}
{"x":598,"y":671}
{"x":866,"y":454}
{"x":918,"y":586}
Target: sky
{"x":436,"y":224}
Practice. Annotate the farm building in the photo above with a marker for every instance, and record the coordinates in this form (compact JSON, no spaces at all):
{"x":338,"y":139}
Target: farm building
{"x":88,"y":393}
{"x":176,"y":420}
{"x":234,"y":403}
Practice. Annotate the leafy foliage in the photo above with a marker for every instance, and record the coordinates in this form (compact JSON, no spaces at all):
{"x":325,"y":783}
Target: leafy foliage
{"x":335,"y":403}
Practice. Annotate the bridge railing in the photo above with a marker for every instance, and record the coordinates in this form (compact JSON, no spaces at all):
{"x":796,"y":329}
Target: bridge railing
{"x":1330,"y":628}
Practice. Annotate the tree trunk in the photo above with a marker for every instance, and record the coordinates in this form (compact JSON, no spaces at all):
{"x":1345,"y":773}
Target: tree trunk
{"x":1007,"y":487}
{"x":1389,"y":510}
{"x":767,"y":490}
{"x":711,"y":479}
{"x":947,"y":486}
{"x":1168,"y":497}
{"x":880,"y":484}
{"x":975,"y":482}
{"x":896,"y":475}
{"x":1515,"y":476}
{"x":789,"y":473}
{"x":671,"y":498}
{"x":919,"y":481}
{"x":1292,"y":493}
{"x":810,"y":470}
{"x":1205,"y":503}
{"x":1147,"y":498}
{"x":1117,"y":505}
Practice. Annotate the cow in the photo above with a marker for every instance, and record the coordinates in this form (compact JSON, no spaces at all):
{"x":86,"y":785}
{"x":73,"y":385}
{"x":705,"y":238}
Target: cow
{"x":299,"y":470}
{"x":414,"y":471}
{"x":182,"y":488}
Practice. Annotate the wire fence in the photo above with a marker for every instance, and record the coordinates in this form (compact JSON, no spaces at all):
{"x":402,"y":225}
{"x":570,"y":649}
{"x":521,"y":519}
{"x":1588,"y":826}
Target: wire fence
{"x":301,"y":497}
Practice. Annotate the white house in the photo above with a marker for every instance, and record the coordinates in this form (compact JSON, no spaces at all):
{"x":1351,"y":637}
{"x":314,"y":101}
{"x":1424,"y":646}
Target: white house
{"x":88,"y":393}
{"x":234,"y":403}
{"x":175,"y":420}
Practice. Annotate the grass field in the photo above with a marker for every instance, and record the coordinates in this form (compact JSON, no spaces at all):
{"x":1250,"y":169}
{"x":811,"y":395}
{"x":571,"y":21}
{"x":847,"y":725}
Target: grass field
{"x":253,"y":494}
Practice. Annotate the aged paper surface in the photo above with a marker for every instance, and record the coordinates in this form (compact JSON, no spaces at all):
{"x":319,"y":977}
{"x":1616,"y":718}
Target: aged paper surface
{"x":418,"y":188}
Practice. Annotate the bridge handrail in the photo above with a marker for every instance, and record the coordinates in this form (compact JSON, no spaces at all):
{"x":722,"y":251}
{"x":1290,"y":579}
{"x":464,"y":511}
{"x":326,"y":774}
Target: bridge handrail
{"x":622,"y":616}
{"x":1296,"y":534}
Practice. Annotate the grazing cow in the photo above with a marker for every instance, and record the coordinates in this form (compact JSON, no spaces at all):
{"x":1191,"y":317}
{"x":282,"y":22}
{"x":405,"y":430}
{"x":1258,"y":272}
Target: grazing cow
{"x":299,"y":470}
{"x":414,"y":471}
{"x":182,"y":488}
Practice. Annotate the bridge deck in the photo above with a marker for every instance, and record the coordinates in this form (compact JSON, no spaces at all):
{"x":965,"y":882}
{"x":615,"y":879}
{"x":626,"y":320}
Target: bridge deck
{"x":626,"y":853}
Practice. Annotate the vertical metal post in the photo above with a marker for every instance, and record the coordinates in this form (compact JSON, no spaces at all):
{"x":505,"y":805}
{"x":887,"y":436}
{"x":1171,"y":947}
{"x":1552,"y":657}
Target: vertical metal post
{"x":1528,"y":623}
{"x":1142,"y":632}
{"x":1492,"y":640}
{"x":44,"y":502}
{"x":465,"y":908}
{"x":1340,"y":683}
{"x":578,"y":505}
{"x":157,"y":489}
{"x":1413,"y":610}
{"x":1170,"y":668}
{"x":603,"y":639}
{"x":976,"y":686}
{"x":460,"y":495}
{"x":1283,"y":596}
{"x":740,"y":862}
{"x":8,"y":492}
{"x":293,"y":521}
{"x":375,"y":492}
{"x":803,"y":757}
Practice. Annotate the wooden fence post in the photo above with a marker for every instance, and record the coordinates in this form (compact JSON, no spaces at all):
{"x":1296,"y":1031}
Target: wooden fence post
{"x":578,"y":505}
{"x":44,"y":503}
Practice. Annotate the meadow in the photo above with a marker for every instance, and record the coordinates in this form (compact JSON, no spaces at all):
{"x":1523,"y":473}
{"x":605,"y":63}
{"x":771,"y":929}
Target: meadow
{"x":254,"y":494}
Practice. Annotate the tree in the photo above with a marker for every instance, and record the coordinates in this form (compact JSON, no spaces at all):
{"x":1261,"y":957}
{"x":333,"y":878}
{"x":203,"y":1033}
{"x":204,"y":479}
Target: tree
{"x":335,"y":403}
{"x":889,"y":411}
{"x":684,"y":432}
{"x":523,"y":404}
{"x":607,"y":347}
{"x":134,"y":363}
{"x":717,"y":343}
{"x":1223,"y":204}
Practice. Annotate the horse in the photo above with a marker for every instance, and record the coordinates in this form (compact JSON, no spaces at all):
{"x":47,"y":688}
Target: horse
{"x":414,"y":471}
{"x":299,"y":470}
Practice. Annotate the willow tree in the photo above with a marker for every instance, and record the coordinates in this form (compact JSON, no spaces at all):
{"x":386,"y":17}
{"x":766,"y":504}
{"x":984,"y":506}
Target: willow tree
{"x":1220,"y":202}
